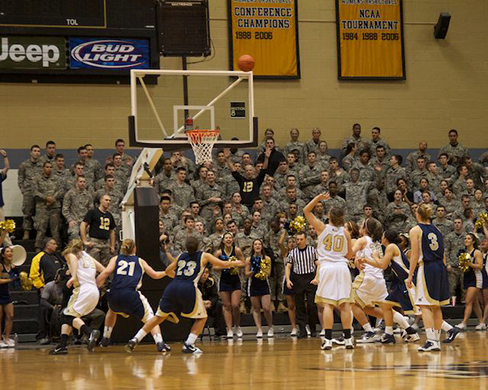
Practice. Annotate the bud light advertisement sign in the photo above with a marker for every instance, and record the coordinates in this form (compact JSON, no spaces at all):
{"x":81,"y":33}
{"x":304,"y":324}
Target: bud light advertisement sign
{"x":109,"y":54}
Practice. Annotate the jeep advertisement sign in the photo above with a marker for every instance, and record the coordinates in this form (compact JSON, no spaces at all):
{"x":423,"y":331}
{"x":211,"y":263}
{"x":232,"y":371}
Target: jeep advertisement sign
{"x":28,"y":52}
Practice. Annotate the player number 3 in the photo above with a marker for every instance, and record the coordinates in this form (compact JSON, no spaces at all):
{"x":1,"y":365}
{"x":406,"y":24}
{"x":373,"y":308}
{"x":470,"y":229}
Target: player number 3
{"x":434,"y":245}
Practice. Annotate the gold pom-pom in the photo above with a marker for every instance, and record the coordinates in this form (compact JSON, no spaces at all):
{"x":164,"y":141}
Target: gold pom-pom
{"x":25,"y":281}
{"x":297,"y":225}
{"x":8,"y":225}
{"x":464,"y":259}
{"x":264,"y":267}
{"x":482,"y":220}
{"x":234,"y":270}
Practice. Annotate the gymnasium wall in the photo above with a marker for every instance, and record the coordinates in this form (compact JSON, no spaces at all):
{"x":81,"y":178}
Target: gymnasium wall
{"x":446,"y":87}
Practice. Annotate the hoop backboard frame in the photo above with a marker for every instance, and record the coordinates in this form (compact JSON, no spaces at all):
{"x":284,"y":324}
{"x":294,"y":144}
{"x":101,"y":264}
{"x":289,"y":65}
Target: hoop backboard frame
{"x":178,"y":139}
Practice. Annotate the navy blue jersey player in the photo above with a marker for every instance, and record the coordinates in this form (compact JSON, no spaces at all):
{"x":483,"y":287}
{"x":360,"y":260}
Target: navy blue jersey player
{"x":432,"y":288}
{"x":124,"y":297}
{"x":182,"y":296}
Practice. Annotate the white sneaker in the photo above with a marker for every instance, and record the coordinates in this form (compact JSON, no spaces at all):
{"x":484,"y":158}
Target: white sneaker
{"x":480,"y":327}
{"x":322,"y":333}
{"x":430,"y":346}
{"x":326,"y":345}
{"x":293,"y":332}
{"x":349,"y":343}
{"x":10,"y":343}
{"x":259,"y":335}
{"x":307,"y":328}
{"x":239,"y":332}
{"x":3,"y":344}
{"x":461,"y":326}
{"x":270,"y":332}
{"x":230,"y":334}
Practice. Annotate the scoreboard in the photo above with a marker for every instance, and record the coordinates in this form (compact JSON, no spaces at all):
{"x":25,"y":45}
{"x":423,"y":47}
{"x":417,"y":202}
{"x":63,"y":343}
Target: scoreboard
{"x":54,"y":13}
{"x":77,"y":41}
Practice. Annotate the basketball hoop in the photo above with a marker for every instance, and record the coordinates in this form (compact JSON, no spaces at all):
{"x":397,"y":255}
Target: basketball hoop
{"x":202,"y":142}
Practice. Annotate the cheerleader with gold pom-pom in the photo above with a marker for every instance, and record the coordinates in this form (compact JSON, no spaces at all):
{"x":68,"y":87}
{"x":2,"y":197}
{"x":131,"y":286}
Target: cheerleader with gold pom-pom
{"x":258,"y":269}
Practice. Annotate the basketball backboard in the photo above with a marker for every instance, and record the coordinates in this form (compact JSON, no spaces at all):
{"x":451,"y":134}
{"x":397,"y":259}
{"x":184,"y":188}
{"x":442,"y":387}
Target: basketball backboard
{"x":221,"y":100}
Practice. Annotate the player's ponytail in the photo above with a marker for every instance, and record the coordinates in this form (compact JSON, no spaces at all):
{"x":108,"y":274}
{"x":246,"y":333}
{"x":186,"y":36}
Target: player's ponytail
{"x":127,"y":246}
{"x":74,"y":246}
{"x":392,"y":236}
{"x":424,"y":211}
{"x":374,"y":229}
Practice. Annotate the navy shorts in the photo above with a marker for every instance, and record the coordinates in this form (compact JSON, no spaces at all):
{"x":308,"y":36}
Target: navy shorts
{"x":257,"y":287}
{"x":401,"y":297}
{"x":129,"y":302}
{"x":229,"y":283}
{"x":181,"y":298}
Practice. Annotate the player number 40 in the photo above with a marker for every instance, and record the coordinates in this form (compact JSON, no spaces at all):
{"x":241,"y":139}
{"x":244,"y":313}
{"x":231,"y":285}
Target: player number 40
{"x":333,"y":243}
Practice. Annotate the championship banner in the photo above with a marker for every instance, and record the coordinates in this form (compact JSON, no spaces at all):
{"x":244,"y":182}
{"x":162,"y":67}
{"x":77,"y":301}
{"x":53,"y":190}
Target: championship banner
{"x":370,"y":39}
{"x":267,"y":31}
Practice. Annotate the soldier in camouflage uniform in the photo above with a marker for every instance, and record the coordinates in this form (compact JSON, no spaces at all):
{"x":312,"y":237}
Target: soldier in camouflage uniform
{"x":339,"y":175}
{"x":454,"y":149}
{"x":419,"y":173}
{"x":475,"y":171}
{"x":361,"y":143}
{"x":88,"y":170}
{"x":322,"y":187}
{"x":278,"y":270}
{"x":291,"y":181}
{"x":270,"y":205}
{"x":238,"y":207}
{"x":70,"y":182}
{"x":282,"y":173}
{"x":366,"y":172}
{"x":397,"y":213}
{"x":394,"y":173}
{"x":245,"y":238}
{"x":356,"y":195}
{"x":50,"y":153}
{"x":412,"y":157}
{"x":92,"y":164}
{"x":163,"y":179}
{"x":295,"y":144}
{"x":454,"y":242}
{"x":61,"y":173}
{"x":380,"y":163}
{"x":449,"y":202}
{"x":127,"y":160}
{"x":446,"y":171}
{"x":376,"y":141}
{"x":310,"y":173}
{"x":350,"y":158}
{"x":76,"y":204}
{"x":444,"y":225}
{"x":26,"y":177}
{"x":323,"y":156}
{"x":48,"y":195}
{"x":182,"y":235}
{"x":334,"y":200}
{"x":182,"y":193}
{"x":313,"y":144}
{"x":291,"y":197}
{"x":121,"y":173}
{"x":166,"y":214}
{"x":216,"y":237}
{"x":211,"y":194}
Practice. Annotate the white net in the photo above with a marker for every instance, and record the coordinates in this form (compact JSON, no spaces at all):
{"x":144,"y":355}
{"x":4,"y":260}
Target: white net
{"x":202,"y":142}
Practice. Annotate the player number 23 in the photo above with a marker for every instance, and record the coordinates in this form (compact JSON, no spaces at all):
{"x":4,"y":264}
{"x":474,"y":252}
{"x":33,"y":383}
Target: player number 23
{"x":434,"y":245}
{"x":334,"y":243}
{"x":186,"y":268}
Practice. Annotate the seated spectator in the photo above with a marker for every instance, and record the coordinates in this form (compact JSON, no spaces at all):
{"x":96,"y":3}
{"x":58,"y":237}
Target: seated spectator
{"x":454,"y":149}
{"x":45,"y":265}
{"x":210,"y":296}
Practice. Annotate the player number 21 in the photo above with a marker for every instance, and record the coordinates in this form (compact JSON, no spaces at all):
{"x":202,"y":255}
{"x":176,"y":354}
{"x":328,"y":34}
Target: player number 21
{"x":335,"y":243}
{"x":122,"y":270}
{"x":185,"y":268}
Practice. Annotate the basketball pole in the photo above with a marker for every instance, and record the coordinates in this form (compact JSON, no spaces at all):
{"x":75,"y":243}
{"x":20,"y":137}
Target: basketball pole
{"x":185,"y":87}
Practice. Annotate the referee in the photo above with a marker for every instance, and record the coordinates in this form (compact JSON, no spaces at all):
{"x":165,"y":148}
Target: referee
{"x":101,"y":240}
{"x":302,"y":260}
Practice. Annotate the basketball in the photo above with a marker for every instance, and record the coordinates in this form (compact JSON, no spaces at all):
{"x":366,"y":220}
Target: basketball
{"x":245,"y":63}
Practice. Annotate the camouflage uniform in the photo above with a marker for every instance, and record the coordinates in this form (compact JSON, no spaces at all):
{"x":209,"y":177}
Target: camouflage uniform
{"x":62,"y":177}
{"x":75,"y":206}
{"x":285,"y":205}
{"x":448,"y":173}
{"x":259,"y":232}
{"x":47,"y":215}
{"x":434,"y":181}
{"x":336,"y":201}
{"x":356,"y":198}
{"x":278,"y":270}
{"x":300,"y":146}
{"x":93,"y":166}
{"x":477,"y":173}
{"x":454,"y":242}
{"x":182,"y":235}
{"x":244,"y":241}
{"x":392,"y":176}
{"x":282,"y":194}
{"x":397,"y":215}
{"x":451,"y":206}
{"x":45,"y":158}
{"x":237,"y":156}
{"x":415,"y":178}
{"x":121,"y":178}
{"x":372,"y":145}
{"x":310,"y":146}
{"x":280,"y":178}
{"x":340,"y":179}
{"x":230,"y":185}
{"x":484,"y":159}
{"x":412,"y":159}
{"x":361,"y":144}
{"x":455,"y":153}
{"x":366,"y":172}
{"x":270,"y":208}
{"x":385,"y":165}
{"x":162,"y":181}
{"x":215,"y":242}
{"x":309,"y":177}
{"x":348,"y":162}
{"x":379,"y":202}
{"x":207,"y":192}
{"x":459,"y":187}
{"x":445,"y":226}
{"x":170,"y":221}
{"x":182,"y":194}
{"x":26,"y":177}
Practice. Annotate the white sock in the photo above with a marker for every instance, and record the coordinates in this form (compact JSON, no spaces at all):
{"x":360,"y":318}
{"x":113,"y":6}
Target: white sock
{"x":400,"y":320}
{"x":107,"y":332}
{"x":140,"y":335}
{"x":158,"y":338}
{"x":389,"y":330}
{"x":437,"y":334}
{"x":191,"y":339}
{"x":430,"y":332}
{"x":367,"y":327}
{"x":445,"y":326}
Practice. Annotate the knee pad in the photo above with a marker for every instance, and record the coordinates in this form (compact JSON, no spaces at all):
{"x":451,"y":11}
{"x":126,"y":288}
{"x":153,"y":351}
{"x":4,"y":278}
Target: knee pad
{"x":67,"y":320}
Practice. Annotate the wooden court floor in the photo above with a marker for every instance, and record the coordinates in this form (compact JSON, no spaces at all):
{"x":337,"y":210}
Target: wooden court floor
{"x":281,"y":364}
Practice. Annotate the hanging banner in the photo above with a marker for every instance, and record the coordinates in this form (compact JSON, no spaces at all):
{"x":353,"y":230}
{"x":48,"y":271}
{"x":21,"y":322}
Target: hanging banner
{"x":267,"y":31}
{"x":370,"y":39}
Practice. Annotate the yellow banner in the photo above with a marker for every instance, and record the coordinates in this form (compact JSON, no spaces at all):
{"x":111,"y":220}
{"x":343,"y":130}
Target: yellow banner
{"x":370,"y":39}
{"x":268,"y":31}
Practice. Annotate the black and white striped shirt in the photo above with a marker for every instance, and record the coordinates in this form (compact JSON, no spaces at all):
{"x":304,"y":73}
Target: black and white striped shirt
{"x":303,"y":260}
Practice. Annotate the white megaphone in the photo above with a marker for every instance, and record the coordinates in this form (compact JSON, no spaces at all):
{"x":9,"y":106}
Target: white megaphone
{"x":18,"y":255}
